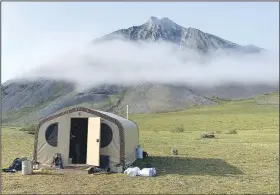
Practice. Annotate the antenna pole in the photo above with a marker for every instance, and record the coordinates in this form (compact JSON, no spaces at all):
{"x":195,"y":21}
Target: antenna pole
{"x":126,"y":111}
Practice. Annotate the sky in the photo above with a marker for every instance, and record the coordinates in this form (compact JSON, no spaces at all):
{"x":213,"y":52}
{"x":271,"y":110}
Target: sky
{"x":34,"y":32}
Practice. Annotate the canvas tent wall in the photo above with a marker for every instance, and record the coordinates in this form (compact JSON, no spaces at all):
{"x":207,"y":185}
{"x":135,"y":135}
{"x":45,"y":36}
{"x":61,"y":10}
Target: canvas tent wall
{"x":53,"y":136}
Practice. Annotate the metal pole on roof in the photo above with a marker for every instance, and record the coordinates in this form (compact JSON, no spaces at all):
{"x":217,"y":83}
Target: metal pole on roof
{"x":126,"y":111}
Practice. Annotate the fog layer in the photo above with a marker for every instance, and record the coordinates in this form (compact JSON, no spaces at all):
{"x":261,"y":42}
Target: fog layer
{"x":119,"y":62}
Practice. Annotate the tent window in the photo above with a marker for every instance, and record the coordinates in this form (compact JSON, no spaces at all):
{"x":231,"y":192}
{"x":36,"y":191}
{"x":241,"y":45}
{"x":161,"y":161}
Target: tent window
{"x":52,"y":134}
{"x":106,"y":135}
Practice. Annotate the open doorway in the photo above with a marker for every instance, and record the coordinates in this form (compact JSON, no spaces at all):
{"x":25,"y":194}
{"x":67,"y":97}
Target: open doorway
{"x":78,"y":140}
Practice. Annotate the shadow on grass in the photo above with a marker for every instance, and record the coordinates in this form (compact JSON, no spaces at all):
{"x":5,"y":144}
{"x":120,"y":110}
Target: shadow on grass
{"x":189,"y":166}
{"x":47,"y":173}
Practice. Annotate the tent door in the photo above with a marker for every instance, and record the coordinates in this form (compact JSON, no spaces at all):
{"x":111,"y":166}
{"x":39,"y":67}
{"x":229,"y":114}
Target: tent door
{"x":93,"y":141}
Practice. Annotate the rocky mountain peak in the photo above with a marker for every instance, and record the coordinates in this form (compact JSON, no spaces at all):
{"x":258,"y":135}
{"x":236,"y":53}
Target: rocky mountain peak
{"x":153,"y":19}
{"x":164,"y":23}
{"x":164,"y":29}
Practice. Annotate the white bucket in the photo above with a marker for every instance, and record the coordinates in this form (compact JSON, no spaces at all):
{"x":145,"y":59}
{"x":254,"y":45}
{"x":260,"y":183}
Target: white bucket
{"x":24,"y":167}
{"x":139,"y":152}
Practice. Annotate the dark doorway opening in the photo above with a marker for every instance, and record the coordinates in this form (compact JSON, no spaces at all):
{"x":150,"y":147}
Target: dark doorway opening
{"x":78,"y":140}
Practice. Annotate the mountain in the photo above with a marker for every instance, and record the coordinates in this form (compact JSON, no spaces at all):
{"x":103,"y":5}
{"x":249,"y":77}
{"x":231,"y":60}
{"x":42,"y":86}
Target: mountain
{"x":166,"y":30}
{"x":27,"y":101}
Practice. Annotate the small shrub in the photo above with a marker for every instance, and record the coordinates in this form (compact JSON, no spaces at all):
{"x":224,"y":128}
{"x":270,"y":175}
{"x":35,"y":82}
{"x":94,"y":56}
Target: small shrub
{"x":207,"y":135}
{"x":29,"y":129}
{"x":232,"y":131}
{"x":156,"y":130}
{"x":218,"y":132}
{"x":180,"y":129}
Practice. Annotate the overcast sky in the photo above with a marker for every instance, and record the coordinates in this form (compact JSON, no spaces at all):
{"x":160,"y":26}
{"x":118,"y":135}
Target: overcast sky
{"x":35,"y":31}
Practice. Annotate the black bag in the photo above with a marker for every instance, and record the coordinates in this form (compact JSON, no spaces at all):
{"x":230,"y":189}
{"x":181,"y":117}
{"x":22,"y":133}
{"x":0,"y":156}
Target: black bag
{"x":145,"y":154}
{"x":15,"y":166}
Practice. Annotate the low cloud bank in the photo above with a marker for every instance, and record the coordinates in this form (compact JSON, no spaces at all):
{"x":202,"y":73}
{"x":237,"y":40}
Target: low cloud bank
{"x":127,"y":63}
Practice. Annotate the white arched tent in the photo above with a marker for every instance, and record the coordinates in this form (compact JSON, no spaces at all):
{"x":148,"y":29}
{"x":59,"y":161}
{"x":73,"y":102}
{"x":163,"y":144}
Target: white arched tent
{"x":88,"y":133}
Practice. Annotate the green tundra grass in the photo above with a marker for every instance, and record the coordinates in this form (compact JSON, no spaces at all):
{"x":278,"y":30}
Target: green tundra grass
{"x":243,"y":158}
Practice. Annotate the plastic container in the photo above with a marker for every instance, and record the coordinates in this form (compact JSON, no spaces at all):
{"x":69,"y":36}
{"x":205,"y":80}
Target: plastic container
{"x":139,"y":152}
{"x":147,"y":172}
{"x":24,"y":167}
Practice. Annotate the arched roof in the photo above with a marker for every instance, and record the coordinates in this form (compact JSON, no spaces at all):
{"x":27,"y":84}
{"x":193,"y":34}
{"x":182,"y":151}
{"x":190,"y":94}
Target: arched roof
{"x":124,"y":122}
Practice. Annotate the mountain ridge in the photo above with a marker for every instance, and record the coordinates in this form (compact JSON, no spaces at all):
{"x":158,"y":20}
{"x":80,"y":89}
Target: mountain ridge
{"x":166,"y":30}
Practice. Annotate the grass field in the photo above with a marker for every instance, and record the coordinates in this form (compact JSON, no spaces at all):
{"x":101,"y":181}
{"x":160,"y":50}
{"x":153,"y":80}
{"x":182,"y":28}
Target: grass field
{"x":244,"y":162}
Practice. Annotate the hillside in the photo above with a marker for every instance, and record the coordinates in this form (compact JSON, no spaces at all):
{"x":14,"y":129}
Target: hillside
{"x":150,"y":98}
{"x":27,"y":101}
